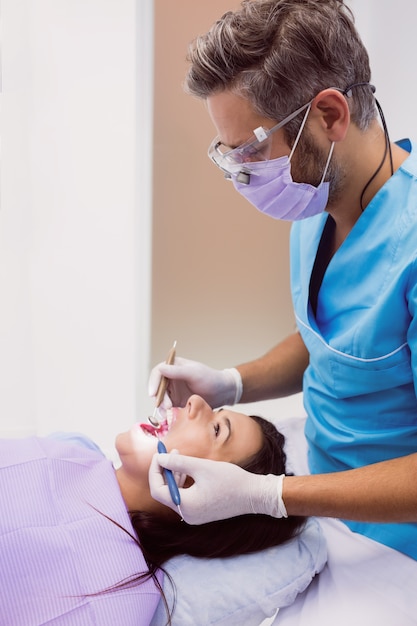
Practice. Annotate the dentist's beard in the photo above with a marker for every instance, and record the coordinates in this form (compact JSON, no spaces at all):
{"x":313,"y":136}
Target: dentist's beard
{"x":308,"y":163}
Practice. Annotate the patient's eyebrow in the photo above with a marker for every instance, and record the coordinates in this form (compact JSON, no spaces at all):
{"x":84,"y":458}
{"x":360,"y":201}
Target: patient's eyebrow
{"x":229,"y":426}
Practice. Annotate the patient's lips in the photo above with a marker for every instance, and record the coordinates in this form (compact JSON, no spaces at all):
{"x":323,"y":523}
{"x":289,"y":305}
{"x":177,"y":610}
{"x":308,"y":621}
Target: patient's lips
{"x":154,"y":431}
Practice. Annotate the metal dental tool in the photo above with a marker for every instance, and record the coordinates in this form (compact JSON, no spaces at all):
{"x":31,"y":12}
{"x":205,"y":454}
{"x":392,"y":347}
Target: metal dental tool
{"x":172,"y":485}
{"x":162,"y":388}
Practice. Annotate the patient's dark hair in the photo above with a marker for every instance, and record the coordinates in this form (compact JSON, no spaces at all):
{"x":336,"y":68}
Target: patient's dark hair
{"x":161,"y":537}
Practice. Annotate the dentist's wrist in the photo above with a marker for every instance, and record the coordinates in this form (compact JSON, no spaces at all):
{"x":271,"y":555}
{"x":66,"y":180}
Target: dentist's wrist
{"x":237,"y":390}
{"x":266,"y":495}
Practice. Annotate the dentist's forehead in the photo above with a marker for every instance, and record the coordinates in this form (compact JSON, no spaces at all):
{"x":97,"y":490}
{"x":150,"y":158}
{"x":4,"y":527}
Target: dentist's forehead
{"x":233,"y":117}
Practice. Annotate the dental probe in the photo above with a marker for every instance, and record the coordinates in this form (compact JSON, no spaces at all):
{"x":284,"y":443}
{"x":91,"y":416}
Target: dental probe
{"x":172,"y":485}
{"x":162,"y":387}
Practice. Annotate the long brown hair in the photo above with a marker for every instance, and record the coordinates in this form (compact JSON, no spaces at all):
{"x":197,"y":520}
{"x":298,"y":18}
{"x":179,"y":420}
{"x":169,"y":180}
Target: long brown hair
{"x":160,"y":537}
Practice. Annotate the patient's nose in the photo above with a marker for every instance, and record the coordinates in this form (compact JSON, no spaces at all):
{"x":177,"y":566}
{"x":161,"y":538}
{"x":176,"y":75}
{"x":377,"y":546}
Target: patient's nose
{"x":197,"y":407}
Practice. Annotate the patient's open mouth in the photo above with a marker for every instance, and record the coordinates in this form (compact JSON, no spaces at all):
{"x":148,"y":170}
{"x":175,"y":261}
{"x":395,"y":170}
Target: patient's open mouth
{"x":161,"y":430}
{"x":154,"y":431}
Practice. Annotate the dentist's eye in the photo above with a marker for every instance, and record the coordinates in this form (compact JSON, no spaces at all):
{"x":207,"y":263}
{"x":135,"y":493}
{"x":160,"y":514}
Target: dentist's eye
{"x":216,"y":430}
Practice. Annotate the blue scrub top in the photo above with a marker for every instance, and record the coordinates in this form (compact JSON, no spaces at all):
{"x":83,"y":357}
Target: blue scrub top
{"x":360,"y":386}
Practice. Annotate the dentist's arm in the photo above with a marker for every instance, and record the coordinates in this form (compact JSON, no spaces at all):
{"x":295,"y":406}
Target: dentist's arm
{"x":381,"y":492}
{"x":276,"y":374}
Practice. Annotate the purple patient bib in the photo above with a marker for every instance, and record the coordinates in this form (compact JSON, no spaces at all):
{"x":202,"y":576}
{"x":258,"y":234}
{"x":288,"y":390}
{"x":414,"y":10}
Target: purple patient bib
{"x":58,"y":554}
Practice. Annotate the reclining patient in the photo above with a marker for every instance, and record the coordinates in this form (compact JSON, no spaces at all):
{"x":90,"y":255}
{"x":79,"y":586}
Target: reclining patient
{"x":82,"y":543}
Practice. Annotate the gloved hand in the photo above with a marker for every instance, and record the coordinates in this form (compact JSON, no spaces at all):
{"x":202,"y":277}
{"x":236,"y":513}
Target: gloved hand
{"x":220,"y":489}
{"x":217,"y":387}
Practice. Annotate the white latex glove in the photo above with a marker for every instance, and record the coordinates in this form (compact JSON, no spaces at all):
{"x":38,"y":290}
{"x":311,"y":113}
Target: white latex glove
{"x":220,"y":490}
{"x":217,"y":387}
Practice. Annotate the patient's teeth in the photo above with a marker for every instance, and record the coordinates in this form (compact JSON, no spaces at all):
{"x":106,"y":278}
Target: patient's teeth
{"x":169,"y":415}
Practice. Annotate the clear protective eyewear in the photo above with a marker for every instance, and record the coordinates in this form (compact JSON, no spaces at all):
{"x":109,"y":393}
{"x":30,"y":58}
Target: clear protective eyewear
{"x":236,"y":161}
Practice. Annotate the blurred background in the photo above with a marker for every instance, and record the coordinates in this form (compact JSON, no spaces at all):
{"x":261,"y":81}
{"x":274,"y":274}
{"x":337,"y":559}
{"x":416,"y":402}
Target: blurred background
{"x":117,"y":235}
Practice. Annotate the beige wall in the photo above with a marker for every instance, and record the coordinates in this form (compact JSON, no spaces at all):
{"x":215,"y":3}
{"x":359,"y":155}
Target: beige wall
{"x":220,"y":268}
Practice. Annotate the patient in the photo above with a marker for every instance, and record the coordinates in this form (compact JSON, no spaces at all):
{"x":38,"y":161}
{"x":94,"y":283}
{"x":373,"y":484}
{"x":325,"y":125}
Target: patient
{"x":83,"y":543}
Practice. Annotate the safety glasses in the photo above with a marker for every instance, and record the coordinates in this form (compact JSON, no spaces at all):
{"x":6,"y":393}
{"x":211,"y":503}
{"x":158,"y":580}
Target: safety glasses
{"x":257,"y":148}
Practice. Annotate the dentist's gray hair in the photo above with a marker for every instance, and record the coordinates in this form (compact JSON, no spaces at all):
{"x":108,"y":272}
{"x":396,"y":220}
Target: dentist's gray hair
{"x":279,"y":54}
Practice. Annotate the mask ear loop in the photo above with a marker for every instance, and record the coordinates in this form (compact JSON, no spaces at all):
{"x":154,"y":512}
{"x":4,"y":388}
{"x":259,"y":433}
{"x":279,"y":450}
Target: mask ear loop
{"x":326,"y":167}
{"x":300,"y":131}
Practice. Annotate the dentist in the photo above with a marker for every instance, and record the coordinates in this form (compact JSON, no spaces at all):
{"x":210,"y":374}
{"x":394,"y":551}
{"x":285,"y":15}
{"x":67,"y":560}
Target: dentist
{"x":287,"y":86}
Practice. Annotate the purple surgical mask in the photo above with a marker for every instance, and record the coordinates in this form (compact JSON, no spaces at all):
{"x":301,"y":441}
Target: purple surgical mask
{"x":272,"y":190}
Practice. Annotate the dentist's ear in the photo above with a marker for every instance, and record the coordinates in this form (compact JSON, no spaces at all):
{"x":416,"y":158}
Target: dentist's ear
{"x":331,"y":110}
